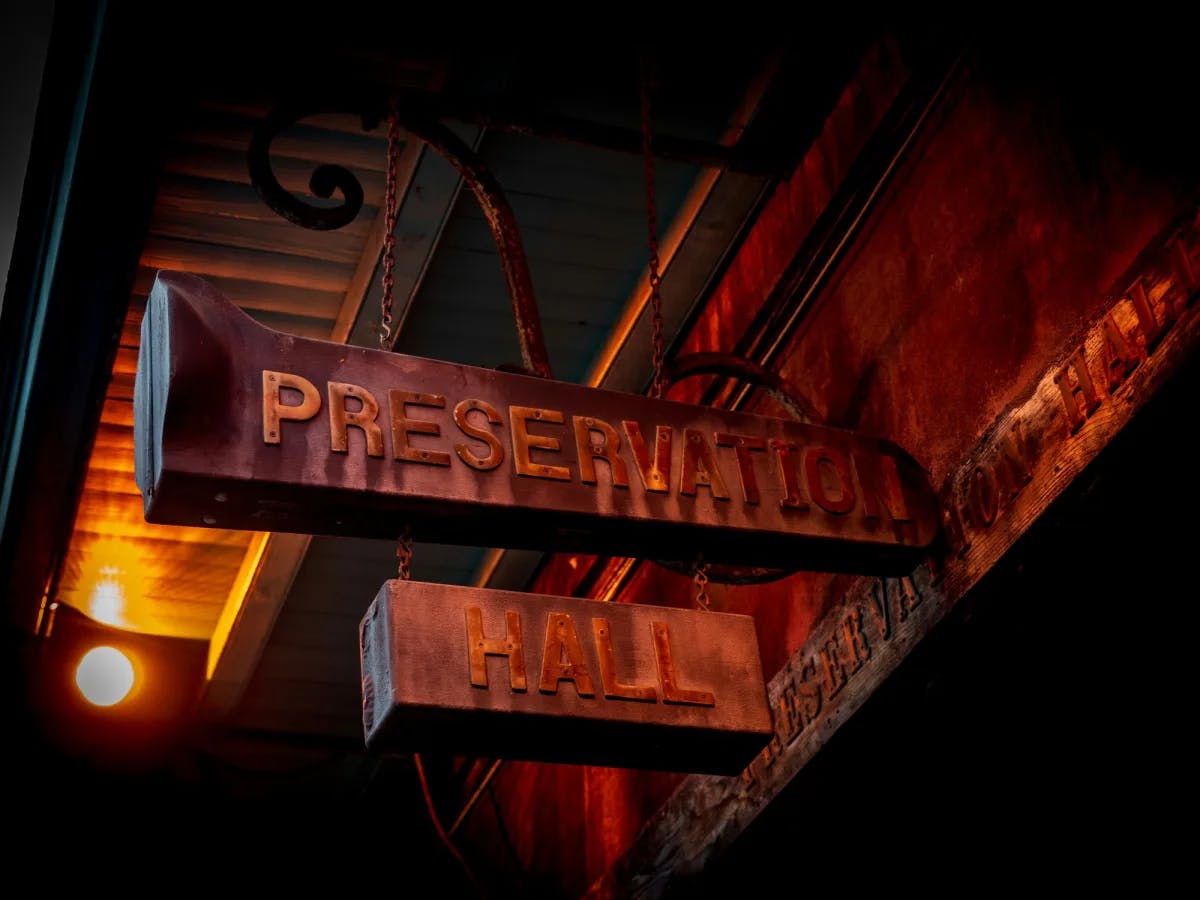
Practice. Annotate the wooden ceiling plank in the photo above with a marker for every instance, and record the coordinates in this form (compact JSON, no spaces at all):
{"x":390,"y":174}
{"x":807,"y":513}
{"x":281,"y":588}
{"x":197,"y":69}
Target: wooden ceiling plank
{"x":120,"y":386}
{"x":368,"y":262}
{"x":282,"y":663}
{"x":248,"y":616}
{"x":189,"y":584}
{"x":251,"y":265}
{"x":113,"y":455}
{"x":117,"y":412}
{"x":233,"y":131}
{"x":106,"y":481}
{"x":112,"y":436}
{"x":293,"y":174}
{"x":251,"y":211}
{"x":124,"y":520}
{"x":273,"y":236}
{"x":125,"y":362}
{"x":249,"y":294}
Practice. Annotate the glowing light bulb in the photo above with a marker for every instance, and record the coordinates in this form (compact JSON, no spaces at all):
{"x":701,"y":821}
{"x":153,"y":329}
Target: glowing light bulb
{"x":104,"y":676}
{"x":107,"y":603}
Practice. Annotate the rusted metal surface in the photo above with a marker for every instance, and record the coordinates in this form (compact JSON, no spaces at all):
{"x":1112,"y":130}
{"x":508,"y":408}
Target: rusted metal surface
{"x":445,"y":668}
{"x":503,"y":224}
{"x":203,"y":457}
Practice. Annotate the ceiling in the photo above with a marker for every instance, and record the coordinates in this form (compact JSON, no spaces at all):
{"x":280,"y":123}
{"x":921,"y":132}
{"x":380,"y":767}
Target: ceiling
{"x":253,"y":637}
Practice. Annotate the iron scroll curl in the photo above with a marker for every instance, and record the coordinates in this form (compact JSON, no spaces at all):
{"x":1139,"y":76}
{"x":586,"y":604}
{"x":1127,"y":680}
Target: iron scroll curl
{"x":326,"y":180}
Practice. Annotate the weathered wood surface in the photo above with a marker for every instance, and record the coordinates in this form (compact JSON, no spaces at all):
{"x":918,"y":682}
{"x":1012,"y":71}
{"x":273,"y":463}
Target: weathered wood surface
{"x":1021,"y":464}
{"x":525,"y":676}
{"x":483,"y":457}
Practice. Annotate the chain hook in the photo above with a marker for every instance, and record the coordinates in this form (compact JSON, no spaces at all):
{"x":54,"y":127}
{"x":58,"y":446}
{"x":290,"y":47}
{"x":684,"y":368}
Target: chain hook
{"x":701,"y":580}
{"x":391,"y":205}
{"x":404,"y":552}
{"x":658,"y":345}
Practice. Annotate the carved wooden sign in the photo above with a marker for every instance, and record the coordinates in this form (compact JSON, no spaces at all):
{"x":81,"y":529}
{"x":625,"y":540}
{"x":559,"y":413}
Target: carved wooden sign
{"x":522,"y":676}
{"x":239,"y":426}
{"x":1020,"y":465}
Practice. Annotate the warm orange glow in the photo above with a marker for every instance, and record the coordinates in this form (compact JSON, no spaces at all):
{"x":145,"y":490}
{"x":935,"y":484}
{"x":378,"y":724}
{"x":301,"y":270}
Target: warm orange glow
{"x":236,"y":599}
{"x":104,"y":676}
{"x":112,"y":581}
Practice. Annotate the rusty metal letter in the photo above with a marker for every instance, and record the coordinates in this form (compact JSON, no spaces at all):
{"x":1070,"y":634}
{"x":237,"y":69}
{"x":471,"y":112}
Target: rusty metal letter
{"x":495,"y":449}
{"x":672,"y":692}
{"x":844,"y":501}
{"x":561,"y":638}
{"x":608,"y":449}
{"x":341,"y":418}
{"x":787,"y":455}
{"x":274,"y":411}
{"x":699,"y":466}
{"x":523,"y":442}
{"x":656,"y":476}
{"x":742,"y":445}
{"x":480,"y":647}
{"x":614,"y":688}
{"x":403,"y":426}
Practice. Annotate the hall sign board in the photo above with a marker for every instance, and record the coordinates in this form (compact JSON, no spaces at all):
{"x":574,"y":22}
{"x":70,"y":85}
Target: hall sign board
{"x":523,"y":676}
{"x":238,"y":426}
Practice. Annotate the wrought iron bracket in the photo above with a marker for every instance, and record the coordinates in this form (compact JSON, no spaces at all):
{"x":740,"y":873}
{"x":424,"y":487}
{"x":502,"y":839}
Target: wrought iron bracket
{"x":326,"y":179}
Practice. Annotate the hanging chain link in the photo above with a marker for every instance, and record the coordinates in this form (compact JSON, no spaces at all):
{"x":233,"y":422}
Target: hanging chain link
{"x":390,"y":209}
{"x":701,"y":579}
{"x":391,"y":202}
{"x":404,"y":553}
{"x":659,"y":344}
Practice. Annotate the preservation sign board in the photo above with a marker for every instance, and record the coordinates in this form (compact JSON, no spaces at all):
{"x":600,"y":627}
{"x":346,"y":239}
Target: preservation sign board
{"x":239,"y":426}
{"x":522,"y":676}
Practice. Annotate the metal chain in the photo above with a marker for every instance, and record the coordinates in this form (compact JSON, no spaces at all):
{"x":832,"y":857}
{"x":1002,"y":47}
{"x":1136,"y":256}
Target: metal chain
{"x":659,"y":344}
{"x":701,"y":579}
{"x":404,"y":553}
{"x":391,"y":202}
{"x":390,"y":209}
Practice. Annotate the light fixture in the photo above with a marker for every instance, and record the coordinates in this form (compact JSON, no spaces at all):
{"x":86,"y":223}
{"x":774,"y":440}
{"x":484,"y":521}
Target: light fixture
{"x":104,"y":676}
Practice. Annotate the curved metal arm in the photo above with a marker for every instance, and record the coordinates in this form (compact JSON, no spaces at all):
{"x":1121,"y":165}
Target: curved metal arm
{"x":329,"y":178}
{"x":500,"y":219}
{"x":736,"y":367}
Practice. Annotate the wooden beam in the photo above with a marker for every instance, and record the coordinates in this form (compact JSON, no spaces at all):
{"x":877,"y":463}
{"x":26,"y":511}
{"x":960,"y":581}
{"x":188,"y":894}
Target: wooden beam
{"x":254,"y":601}
{"x":1021,"y":464}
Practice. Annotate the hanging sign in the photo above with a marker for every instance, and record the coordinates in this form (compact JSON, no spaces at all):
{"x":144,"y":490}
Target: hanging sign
{"x":522,"y":676}
{"x":239,"y":426}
